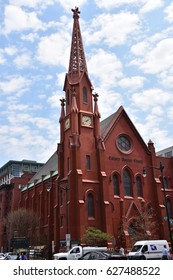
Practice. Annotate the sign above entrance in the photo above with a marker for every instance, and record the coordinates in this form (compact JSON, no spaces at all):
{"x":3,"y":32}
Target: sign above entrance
{"x":127,"y":160}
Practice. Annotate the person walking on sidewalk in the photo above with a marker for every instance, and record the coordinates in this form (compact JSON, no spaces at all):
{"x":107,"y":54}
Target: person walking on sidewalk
{"x":165,"y":253}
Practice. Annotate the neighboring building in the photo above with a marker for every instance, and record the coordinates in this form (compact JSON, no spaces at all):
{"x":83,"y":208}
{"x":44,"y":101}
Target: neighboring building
{"x":96,"y":176}
{"x":168,"y":152}
{"x":15,"y":169}
{"x":14,"y":175}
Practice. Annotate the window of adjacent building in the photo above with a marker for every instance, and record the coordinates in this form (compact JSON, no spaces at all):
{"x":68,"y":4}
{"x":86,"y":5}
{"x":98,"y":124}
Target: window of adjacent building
{"x":90,"y":200}
{"x":139,"y":186}
{"x":85,"y":96}
{"x":168,"y":154}
{"x":34,"y":168}
{"x":127,"y":183}
{"x":88,"y":162}
{"x":115,"y":185}
{"x":26,"y":168}
{"x":169,"y":207}
{"x":15,"y":170}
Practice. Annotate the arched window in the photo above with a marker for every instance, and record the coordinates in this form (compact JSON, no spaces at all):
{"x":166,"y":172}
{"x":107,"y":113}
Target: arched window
{"x":90,"y":200}
{"x":139,"y":186}
{"x":115,"y":185}
{"x":168,"y":202}
{"x":127,"y":183}
{"x":85,"y":97}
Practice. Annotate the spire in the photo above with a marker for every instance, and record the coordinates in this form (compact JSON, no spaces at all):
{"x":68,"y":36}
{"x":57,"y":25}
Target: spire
{"x":77,"y":56}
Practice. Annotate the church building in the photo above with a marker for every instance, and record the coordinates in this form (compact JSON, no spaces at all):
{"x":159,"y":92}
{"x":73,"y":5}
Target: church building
{"x":103,"y":174}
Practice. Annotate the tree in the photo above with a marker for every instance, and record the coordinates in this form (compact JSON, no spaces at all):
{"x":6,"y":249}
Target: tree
{"x":21,"y":223}
{"x":95,"y":237}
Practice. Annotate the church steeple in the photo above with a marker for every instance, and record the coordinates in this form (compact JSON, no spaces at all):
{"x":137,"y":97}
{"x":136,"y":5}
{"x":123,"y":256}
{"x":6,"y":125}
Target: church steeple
{"x":77,"y":64}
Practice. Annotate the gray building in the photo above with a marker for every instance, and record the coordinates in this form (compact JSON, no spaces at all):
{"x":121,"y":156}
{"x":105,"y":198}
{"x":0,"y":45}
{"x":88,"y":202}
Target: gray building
{"x":168,"y":152}
{"x":13,"y":169}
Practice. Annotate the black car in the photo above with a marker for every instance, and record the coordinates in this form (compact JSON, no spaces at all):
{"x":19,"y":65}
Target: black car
{"x":96,"y":255}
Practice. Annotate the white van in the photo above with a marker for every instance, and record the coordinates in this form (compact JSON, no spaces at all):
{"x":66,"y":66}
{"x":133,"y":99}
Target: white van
{"x":147,"y":250}
{"x":76,"y":252}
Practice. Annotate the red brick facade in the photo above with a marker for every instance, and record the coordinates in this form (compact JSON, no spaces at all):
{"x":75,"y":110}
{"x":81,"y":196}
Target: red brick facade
{"x":100,"y":179}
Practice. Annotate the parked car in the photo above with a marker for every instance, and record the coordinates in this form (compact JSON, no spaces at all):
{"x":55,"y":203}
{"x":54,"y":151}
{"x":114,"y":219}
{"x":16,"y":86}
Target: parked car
{"x":148,"y":250}
{"x":10,"y":256}
{"x":2,"y":256}
{"x":96,"y":255}
{"x":77,"y":252}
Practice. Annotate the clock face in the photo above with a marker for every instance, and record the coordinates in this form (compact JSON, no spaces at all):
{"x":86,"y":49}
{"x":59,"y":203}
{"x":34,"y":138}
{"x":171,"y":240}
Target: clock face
{"x":87,"y":120}
{"x":67,"y":123}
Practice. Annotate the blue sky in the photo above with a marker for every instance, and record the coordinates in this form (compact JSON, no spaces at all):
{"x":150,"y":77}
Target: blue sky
{"x":129,"y":52}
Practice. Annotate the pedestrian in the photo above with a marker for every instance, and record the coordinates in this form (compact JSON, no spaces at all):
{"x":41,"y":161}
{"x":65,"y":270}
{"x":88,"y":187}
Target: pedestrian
{"x":165,"y":253}
{"x":121,"y":251}
{"x":18,"y":256}
{"x":23,"y":256}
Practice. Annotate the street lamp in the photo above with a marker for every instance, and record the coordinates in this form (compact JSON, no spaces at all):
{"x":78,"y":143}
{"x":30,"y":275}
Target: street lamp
{"x":160,"y":168}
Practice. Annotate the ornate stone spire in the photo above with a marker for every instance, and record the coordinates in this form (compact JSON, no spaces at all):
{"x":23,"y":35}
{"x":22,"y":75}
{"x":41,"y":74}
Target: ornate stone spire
{"x":77,"y":62}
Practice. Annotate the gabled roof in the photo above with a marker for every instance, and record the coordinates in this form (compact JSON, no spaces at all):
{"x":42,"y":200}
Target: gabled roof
{"x":108,"y":124}
{"x":50,"y":165}
{"x":75,"y":79}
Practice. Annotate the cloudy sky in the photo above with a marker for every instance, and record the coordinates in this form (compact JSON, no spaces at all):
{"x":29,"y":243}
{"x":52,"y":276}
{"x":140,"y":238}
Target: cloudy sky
{"x":129,"y":52}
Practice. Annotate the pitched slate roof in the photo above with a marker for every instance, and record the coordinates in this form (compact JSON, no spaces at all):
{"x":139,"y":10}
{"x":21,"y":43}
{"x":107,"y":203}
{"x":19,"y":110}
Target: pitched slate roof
{"x":50,"y":165}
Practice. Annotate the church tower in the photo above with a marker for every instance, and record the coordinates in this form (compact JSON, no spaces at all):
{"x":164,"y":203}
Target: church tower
{"x":81,"y":172}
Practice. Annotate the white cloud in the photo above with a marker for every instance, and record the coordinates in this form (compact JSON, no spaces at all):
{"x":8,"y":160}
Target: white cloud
{"x":112,"y":29}
{"x":154,"y":56}
{"x":160,"y":58}
{"x":108,"y":4}
{"x":106,"y":67}
{"x":54,"y":100}
{"x":109,"y":101}
{"x":22,"y":61}
{"x":15,"y":84}
{"x":157,"y":110}
{"x":140,"y":48}
{"x":2,"y":58}
{"x":151,"y":5}
{"x":31,"y":37}
{"x":152,"y":97}
{"x":166,"y":78}
{"x":144,"y":5}
{"x":12,"y":50}
{"x":132,"y":83}
{"x":169,"y":12}
{"x":19,"y":107}
{"x":67,"y":4}
{"x":17,"y":20}
{"x":54,"y":49}
{"x":32,"y":3}
{"x":170,"y":113}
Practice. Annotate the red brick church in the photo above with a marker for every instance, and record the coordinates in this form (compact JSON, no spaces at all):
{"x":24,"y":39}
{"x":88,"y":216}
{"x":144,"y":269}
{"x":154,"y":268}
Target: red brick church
{"x":95,"y":179}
